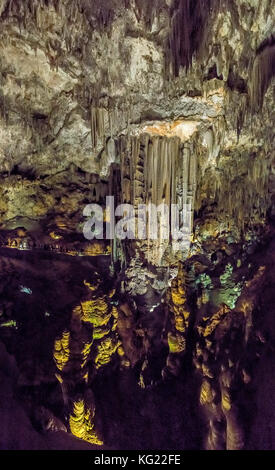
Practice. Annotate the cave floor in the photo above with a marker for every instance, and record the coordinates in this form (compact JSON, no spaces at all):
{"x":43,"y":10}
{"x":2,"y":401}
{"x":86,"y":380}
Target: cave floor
{"x":37,"y":294}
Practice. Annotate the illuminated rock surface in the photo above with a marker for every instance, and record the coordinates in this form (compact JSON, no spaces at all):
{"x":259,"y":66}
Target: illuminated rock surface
{"x":137,"y":344}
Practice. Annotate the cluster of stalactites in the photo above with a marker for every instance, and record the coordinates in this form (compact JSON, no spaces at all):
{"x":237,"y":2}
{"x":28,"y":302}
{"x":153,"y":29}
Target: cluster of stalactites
{"x":82,"y":422}
{"x":245,"y":199}
{"x":179,"y":323}
{"x":223,"y":358}
{"x":261,"y":76}
{"x":72,"y":18}
{"x":70,"y":24}
{"x":31,"y":9}
{"x":97,"y":13}
{"x":157,"y":169}
{"x":188,"y":26}
{"x":160,"y":171}
{"x":263,"y":73}
{"x":107,"y":120}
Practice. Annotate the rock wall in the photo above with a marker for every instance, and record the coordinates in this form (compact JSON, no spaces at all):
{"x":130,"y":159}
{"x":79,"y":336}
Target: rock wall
{"x":169,"y":101}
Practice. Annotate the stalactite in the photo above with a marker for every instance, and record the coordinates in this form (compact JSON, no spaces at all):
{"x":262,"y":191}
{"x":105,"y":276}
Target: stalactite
{"x":188,"y":25}
{"x":102,"y":14}
{"x":244,"y":199}
{"x":263,"y":73}
{"x":148,"y":10}
{"x":160,"y":170}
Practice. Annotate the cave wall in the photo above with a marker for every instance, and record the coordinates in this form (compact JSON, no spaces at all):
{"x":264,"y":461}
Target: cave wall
{"x":75,"y":77}
{"x":167,"y":101}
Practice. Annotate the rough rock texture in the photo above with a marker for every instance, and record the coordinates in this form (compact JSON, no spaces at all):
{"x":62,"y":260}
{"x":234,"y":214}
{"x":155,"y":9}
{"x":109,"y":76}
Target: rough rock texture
{"x":163,"y":101}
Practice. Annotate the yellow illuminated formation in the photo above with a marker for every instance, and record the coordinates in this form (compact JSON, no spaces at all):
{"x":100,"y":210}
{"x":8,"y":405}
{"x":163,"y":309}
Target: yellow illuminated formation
{"x":206,"y":394}
{"x":100,"y":332}
{"x":226,"y":401}
{"x":61,"y":350}
{"x":81,"y":423}
{"x":215,"y":320}
{"x":96,"y":312}
{"x":176,"y":343}
{"x":55,"y":236}
{"x":86,"y":352}
{"x":105,"y":350}
{"x":115,"y":317}
{"x":178,"y":307}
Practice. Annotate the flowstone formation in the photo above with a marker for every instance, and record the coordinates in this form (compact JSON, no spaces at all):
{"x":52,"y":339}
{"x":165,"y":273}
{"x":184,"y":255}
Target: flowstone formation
{"x":161,"y":102}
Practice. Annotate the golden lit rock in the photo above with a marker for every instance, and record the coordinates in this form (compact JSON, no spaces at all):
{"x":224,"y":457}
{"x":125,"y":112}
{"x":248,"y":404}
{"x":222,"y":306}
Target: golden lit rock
{"x":176,"y":343}
{"x":105,"y":350}
{"x":81,"y":423}
{"x":61,"y":352}
{"x":215,"y":320}
{"x":55,"y":236}
{"x":96,"y":312}
{"x":206,"y":393}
